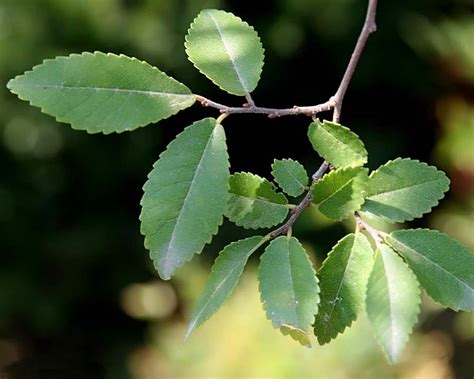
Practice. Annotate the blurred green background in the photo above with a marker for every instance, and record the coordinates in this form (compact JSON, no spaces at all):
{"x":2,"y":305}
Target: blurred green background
{"x":78,"y":295}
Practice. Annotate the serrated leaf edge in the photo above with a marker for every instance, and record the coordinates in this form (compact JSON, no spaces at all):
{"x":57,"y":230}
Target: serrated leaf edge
{"x":393,"y":360}
{"x":99,"y":53}
{"x":387,"y":240}
{"x":325,"y":339}
{"x":436,"y":201}
{"x":303,"y":186}
{"x":218,"y":225}
{"x":318,"y":290}
{"x":255,"y":225}
{"x":248,"y":90}
{"x":193,"y":323}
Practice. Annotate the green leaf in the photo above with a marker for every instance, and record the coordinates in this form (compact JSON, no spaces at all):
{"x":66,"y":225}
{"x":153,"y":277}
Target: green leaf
{"x":290,"y":176}
{"x":393,"y":302}
{"x":288,"y":286}
{"x":404,"y":189}
{"x":444,"y":267}
{"x":337,"y":144}
{"x":254,"y":203}
{"x":185,"y":196}
{"x":224,"y":276}
{"x":343,"y":282}
{"x":102,"y":93}
{"x":226,"y":50}
{"x":341,"y":192}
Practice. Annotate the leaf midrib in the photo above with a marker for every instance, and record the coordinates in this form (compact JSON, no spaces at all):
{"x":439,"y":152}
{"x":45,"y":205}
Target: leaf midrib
{"x":435,"y":264}
{"x":345,"y":146}
{"x":104,"y":89}
{"x":192,"y":182}
{"x":231,"y":57}
{"x":372,"y":196}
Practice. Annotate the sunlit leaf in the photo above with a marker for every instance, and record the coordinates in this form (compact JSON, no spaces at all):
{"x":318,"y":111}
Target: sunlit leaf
{"x":343,"y":282}
{"x":288,"y":285}
{"x":102,"y":93}
{"x":337,"y":144}
{"x":444,"y":267}
{"x":185,"y":196}
{"x":254,"y":203}
{"x":393,"y":302}
{"x":225,"y":49}
{"x":341,"y":192}
{"x":225,"y":274}
{"x":404,"y":189}
{"x":290,"y":176}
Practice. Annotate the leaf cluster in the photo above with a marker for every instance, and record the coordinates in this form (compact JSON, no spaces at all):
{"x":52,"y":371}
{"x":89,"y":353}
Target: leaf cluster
{"x":190,"y":190}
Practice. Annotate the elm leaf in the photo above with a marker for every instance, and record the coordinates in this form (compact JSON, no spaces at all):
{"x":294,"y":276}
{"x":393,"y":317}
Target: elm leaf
{"x":102,"y":93}
{"x":254,"y":203}
{"x":393,"y":302}
{"x":444,"y":267}
{"x":226,"y":50}
{"x":337,"y":144}
{"x":184,"y":197}
{"x":404,"y":189}
{"x":341,"y":192}
{"x":343,"y":282}
{"x":288,"y":287}
{"x":225,"y":275}
{"x":290,"y":176}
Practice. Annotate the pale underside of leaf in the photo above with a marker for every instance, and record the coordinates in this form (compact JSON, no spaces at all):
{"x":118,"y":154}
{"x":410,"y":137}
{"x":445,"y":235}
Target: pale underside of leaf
{"x":443,"y":266}
{"x":226,"y":50}
{"x":288,"y":285}
{"x":184,"y":197}
{"x":343,"y":282}
{"x":225,"y":275}
{"x":102,"y":93}
{"x":392,"y":303}
{"x":404,"y":189}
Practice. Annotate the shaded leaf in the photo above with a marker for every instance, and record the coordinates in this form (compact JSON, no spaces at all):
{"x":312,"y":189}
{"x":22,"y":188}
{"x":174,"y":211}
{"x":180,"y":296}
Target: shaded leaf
{"x":404,"y":189}
{"x":184,"y":197}
{"x":288,"y":285}
{"x":226,"y":50}
{"x":337,"y":144}
{"x":341,"y":192}
{"x":102,"y":93}
{"x":343,"y":282}
{"x":444,"y":267}
{"x":254,"y":203}
{"x":393,"y":302}
{"x":290,"y":176}
{"x":225,"y":274}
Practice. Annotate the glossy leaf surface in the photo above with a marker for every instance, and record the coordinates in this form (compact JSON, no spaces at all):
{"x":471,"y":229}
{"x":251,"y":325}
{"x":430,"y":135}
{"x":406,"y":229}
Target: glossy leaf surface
{"x":341,"y":192}
{"x":225,"y":275}
{"x":254,"y":203}
{"x":343,"y":282}
{"x":404,"y":189}
{"x":290,"y":176}
{"x":184,"y":197}
{"x":337,"y":144}
{"x":393,"y":302}
{"x":444,"y":267}
{"x":102,"y":93}
{"x":225,"y":49}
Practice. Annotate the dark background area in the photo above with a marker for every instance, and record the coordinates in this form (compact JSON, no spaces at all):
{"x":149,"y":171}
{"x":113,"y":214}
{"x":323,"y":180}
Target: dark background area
{"x":69,"y":202}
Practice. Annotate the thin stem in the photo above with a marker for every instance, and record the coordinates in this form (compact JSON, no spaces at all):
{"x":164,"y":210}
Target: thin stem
{"x":271,"y":112}
{"x":377,"y":235}
{"x":369,"y":27}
